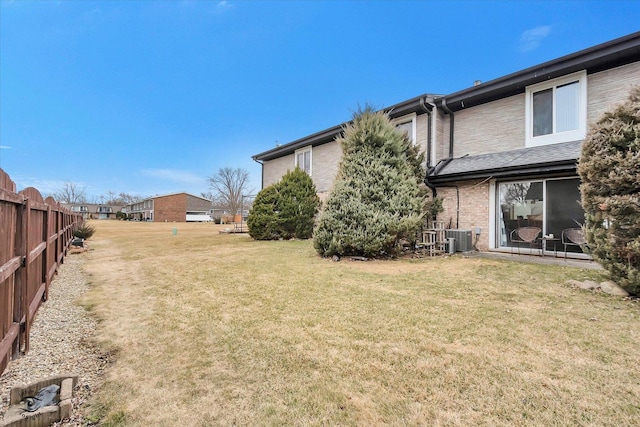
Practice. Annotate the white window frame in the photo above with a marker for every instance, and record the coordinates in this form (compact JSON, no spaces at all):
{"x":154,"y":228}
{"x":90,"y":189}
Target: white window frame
{"x":406,"y":119}
{"x":493,"y":216}
{"x":557,"y":137}
{"x":302,"y":150}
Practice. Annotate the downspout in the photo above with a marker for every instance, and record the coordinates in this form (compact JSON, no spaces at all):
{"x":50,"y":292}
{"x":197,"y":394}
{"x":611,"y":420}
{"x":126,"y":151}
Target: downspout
{"x":451,"y":125}
{"x":261,"y":172}
{"x":444,"y":163}
{"x":429,"y":111}
{"x":430,"y":169}
{"x":434,"y":170}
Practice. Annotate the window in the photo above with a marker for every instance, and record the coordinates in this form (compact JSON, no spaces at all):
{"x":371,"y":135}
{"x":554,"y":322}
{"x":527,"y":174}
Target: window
{"x":303,"y":159}
{"x":551,"y":204}
{"x":556,"y":111}
{"x":407,"y":124}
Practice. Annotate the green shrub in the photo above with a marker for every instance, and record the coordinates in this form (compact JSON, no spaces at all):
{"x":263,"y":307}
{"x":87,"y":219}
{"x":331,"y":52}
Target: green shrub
{"x":298,"y":204}
{"x":263,"y":220}
{"x":609,"y":168}
{"x":375,"y":201}
{"x":84,"y":231}
{"x":286,"y":209}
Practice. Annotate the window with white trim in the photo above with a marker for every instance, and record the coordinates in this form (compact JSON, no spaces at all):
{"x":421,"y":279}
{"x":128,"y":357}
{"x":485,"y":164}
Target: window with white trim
{"x":556,"y":111}
{"x":303,"y":159}
{"x":407,"y":124}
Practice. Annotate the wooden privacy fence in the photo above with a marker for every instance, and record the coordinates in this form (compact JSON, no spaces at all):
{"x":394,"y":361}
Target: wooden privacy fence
{"x":34,"y":237}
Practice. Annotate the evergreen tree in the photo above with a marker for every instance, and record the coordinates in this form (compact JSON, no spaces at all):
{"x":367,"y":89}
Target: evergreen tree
{"x":375,"y":201}
{"x":610,"y":171}
{"x":298,"y":204}
{"x":263,"y":220}
{"x":285,"y":209}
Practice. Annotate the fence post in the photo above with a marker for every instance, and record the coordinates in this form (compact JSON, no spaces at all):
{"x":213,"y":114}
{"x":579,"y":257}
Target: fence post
{"x":46,"y":231}
{"x":27,"y":276}
{"x":21,"y":216}
{"x":20,"y":282}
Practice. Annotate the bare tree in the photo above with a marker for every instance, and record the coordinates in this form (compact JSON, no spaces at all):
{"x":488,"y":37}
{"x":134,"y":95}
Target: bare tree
{"x":128,"y":199}
{"x":110,"y":198}
{"x":207,"y":195}
{"x":113,"y":198}
{"x":228,"y":186}
{"x":516,"y":193}
{"x":70,"y":192}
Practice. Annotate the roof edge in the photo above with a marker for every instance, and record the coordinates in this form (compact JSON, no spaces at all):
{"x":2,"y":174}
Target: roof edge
{"x":561,"y":166}
{"x":610,"y":54}
{"x":413,"y":105}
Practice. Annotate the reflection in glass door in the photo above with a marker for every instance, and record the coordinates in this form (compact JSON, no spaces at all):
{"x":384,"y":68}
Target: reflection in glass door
{"x":521,"y":205}
{"x":552,"y":204}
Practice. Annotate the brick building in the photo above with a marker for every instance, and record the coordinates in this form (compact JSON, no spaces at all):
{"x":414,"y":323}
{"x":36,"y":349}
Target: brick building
{"x":501,"y":154}
{"x":176,"y":207}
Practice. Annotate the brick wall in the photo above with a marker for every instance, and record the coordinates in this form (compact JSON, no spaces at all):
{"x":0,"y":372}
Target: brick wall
{"x":171,"y":208}
{"x":273,"y":170}
{"x":489,"y":128}
{"x":610,"y":87}
{"x":326,"y":159}
{"x":472,"y":212}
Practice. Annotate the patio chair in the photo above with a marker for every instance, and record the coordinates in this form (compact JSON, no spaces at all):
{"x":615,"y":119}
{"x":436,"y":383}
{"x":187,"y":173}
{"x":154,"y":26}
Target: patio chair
{"x":573,"y":237}
{"x":525,"y":235}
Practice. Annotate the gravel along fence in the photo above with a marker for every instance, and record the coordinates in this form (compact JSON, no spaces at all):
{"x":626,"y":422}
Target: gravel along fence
{"x":61,"y":342}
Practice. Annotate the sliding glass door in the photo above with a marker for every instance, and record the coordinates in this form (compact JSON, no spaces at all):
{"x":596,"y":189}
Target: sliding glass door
{"x":563,"y":208}
{"x":553,"y":205}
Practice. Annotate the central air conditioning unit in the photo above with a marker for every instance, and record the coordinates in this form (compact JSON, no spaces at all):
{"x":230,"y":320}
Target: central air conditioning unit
{"x":463,"y":239}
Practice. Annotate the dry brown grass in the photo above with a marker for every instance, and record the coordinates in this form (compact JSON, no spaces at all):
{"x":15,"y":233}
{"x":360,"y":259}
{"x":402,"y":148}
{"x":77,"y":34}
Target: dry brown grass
{"x":217,"y":329}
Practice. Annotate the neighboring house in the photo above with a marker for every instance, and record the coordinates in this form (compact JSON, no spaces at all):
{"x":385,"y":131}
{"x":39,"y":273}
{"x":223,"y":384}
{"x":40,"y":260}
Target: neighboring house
{"x":176,"y":207}
{"x":94,"y":211}
{"x":500,"y":154}
{"x":221,"y":216}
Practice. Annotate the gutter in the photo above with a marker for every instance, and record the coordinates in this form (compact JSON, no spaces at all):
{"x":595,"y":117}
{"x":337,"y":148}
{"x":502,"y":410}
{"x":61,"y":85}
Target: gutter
{"x":559,"y":168}
{"x":261,"y":171}
{"x":329,"y":135}
{"x":429,"y":111}
{"x":434,"y":171}
{"x":443,"y":163}
{"x":451,"y":125}
{"x":614,"y":53}
{"x":318,"y":138}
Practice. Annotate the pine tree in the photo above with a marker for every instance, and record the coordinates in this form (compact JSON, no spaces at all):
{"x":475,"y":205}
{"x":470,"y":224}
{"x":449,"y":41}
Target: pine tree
{"x":609,"y":168}
{"x":298,"y":204}
{"x":375,"y":201}
{"x":286,"y":209}
{"x":263,"y":218}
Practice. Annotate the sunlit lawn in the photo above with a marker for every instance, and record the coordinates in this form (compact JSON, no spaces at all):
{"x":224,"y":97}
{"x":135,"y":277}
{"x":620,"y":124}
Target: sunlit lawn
{"x":216,"y":329}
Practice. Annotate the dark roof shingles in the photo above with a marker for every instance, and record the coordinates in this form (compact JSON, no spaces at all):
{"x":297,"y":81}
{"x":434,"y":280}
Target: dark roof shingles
{"x":567,"y":151}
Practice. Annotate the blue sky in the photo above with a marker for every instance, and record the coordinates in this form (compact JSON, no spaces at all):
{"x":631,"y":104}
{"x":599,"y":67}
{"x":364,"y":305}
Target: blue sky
{"x":152,"y":97}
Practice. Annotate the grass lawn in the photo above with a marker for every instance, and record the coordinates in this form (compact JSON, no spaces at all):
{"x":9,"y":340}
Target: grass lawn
{"x":215,"y":329}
